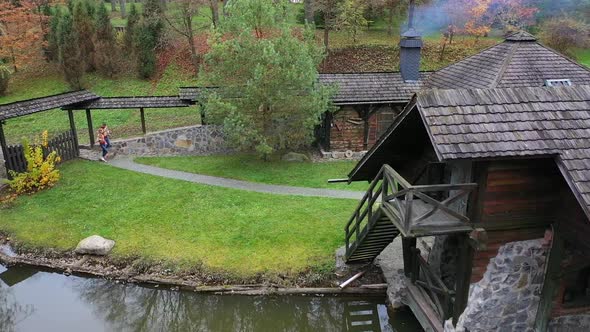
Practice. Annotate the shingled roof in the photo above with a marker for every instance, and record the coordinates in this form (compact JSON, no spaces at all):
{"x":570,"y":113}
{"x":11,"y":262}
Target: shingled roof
{"x":131,"y":102}
{"x":36,"y":105}
{"x":372,"y":88}
{"x":507,"y":123}
{"x":517,"y":62}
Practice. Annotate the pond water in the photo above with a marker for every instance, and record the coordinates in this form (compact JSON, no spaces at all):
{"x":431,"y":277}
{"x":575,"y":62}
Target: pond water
{"x":33,"y":300}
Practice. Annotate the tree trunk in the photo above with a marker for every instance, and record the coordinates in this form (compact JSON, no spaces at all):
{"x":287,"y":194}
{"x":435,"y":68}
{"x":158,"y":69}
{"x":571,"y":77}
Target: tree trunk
{"x":326,"y":37}
{"x":214,"y":5}
{"x":308,"y":7}
{"x":113,"y":5}
{"x":190,"y":36}
{"x":123,"y":4}
{"x":225,"y":3}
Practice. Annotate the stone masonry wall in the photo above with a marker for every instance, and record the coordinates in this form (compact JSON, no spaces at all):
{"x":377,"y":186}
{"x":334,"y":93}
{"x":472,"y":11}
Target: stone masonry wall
{"x":507,"y":297}
{"x":573,"y":323}
{"x":193,"y":140}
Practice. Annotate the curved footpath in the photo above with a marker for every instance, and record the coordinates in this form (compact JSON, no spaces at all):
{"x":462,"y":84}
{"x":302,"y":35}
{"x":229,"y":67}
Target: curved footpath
{"x":128,"y":164}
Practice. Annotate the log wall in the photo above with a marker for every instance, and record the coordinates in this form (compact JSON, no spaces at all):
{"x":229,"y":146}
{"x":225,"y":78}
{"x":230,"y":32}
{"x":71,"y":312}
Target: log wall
{"x":517,"y":201}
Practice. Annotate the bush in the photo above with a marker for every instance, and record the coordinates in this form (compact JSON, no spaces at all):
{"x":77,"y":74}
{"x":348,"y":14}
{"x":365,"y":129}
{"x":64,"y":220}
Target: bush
{"x":4,"y":78}
{"x":41,"y":172}
{"x":565,"y":33}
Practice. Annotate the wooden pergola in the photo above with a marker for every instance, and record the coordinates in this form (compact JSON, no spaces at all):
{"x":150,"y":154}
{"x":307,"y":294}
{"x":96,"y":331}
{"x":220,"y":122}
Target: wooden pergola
{"x":37,"y":105}
{"x":122,"y":103}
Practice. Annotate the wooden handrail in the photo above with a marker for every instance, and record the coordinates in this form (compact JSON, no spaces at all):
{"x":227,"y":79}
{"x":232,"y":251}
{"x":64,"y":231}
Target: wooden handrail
{"x":399,"y":195}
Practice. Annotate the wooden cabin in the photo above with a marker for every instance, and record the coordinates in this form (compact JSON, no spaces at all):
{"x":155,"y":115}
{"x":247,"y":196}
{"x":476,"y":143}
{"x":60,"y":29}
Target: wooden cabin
{"x":485,"y":167}
{"x":367,"y":104}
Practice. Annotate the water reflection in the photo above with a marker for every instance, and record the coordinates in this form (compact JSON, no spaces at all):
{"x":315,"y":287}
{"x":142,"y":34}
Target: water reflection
{"x":77,"y":304}
{"x":11,"y":312}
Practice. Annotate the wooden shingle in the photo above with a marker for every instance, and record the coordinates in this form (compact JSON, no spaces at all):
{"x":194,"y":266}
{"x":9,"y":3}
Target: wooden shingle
{"x":31,"y":106}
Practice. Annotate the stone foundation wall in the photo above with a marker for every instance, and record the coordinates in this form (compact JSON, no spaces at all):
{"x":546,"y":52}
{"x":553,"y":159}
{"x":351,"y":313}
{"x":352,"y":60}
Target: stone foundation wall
{"x":507,"y":297}
{"x":574,"y":323}
{"x":194,"y":140}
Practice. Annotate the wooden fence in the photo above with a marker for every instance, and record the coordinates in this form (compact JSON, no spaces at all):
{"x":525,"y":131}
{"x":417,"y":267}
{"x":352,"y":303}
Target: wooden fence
{"x":64,"y":144}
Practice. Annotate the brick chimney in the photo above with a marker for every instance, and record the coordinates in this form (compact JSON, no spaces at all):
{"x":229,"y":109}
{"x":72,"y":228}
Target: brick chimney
{"x":410,"y":47}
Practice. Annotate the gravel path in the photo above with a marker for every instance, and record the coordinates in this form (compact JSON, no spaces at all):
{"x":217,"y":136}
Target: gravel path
{"x":128,"y":164}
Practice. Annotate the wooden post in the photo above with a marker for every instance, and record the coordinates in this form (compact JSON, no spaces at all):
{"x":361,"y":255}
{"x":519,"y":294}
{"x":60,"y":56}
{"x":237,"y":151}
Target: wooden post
{"x":4,"y":146}
{"x":407,"y":245}
{"x":551,"y":281}
{"x":142,"y":114}
{"x":73,"y":130}
{"x":90,"y":128}
{"x":464,"y":270}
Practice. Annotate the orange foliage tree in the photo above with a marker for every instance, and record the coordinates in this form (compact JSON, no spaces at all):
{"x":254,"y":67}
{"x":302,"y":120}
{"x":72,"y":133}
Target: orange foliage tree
{"x":21,"y":32}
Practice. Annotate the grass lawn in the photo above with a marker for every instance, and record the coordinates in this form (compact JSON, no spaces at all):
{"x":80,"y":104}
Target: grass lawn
{"x":583,"y":56}
{"x":251,"y":168}
{"x":182,"y":223}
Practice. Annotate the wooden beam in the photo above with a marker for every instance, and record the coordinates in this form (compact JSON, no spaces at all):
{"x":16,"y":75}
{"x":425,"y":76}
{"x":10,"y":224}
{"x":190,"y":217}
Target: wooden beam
{"x":4,"y":146}
{"x":73,"y":129}
{"x":551,"y":282}
{"x":407,"y":244}
{"x":464,"y":271}
{"x":90,"y":128}
{"x":142,"y":114}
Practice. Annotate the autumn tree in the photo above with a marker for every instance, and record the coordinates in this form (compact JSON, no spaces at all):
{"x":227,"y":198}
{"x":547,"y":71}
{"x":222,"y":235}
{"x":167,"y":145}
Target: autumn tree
{"x":107,"y":52}
{"x":269,"y":98}
{"x":181,"y":21}
{"x":565,"y":33}
{"x":330,"y":10}
{"x":514,"y":15}
{"x":21,"y":36}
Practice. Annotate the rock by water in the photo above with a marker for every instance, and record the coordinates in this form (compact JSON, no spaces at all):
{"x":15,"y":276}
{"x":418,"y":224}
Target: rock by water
{"x":95,"y":245}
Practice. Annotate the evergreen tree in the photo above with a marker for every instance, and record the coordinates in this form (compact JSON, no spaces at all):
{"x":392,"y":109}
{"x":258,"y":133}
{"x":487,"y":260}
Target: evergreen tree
{"x":53,"y":36}
{"x":70,"y":57}
{"x":274,"y":75}
{"x":83,"y":24}
{"x":107,"y":53}
{"x":131,"y":28}
{"x":148,"y":37}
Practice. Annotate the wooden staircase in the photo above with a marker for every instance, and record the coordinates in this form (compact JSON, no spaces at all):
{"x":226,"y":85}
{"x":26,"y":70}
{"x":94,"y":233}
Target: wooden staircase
{"x":373,"y":238}
{"x":392,"y":206}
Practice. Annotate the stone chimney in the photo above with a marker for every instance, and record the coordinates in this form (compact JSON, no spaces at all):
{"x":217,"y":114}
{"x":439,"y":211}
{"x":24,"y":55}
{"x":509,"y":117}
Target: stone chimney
{"x":410,"y":47}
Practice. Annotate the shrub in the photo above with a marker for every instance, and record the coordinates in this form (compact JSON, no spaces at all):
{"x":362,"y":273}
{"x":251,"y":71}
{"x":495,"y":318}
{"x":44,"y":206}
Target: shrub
{"x":41,"y":172}
{"x":565,"y":33}
{"x":4,"y":78}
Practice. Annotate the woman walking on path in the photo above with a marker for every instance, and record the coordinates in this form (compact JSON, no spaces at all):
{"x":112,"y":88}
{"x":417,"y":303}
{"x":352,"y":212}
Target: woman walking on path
{"x":107,"y":135}
{"x":103,"y":141}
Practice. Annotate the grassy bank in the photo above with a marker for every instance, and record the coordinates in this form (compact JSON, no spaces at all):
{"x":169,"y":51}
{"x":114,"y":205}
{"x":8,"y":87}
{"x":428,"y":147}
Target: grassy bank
{"x":181,"y":223}
{"x":252,"y":168}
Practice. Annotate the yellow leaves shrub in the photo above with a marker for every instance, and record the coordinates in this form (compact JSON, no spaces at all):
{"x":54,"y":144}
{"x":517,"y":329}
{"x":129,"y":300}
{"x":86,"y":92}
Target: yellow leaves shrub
{"x":41,"y":172}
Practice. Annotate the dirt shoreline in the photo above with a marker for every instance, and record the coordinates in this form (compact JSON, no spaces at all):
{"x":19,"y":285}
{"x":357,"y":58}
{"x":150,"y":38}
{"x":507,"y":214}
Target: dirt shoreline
{"x":124,"y":271}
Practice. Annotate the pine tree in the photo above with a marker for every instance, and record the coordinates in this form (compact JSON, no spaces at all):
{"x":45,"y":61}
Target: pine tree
{"x":131,"y":28}
{"x":70,"y":57}
{"x":147,"y":38}
{"x":107,"y":53}
{"x":53,"y":37}
{"x":83,"y":24}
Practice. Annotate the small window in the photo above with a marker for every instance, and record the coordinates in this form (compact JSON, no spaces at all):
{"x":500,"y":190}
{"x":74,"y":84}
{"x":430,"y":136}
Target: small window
{"x":560,"y":82}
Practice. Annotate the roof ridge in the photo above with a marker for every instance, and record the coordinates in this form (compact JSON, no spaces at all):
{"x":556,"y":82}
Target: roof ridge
{"x":504,"y":67}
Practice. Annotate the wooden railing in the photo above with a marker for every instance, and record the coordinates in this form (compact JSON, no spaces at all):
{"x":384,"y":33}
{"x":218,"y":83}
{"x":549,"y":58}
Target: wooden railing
{"x":397,"y":198}
{"x":431,"y":284}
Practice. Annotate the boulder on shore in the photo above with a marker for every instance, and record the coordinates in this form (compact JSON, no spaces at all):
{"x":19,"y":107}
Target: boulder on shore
{"x":95,"y":245}
{"x":295,"y":157}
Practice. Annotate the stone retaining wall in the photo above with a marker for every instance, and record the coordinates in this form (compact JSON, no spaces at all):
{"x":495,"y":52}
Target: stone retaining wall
{"x":507,"y":297}
{"x":193,"y":140}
